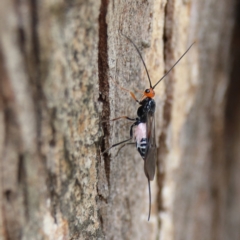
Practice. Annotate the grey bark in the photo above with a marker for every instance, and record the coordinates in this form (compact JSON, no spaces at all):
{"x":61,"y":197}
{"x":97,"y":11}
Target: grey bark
{"x":59,"y":65}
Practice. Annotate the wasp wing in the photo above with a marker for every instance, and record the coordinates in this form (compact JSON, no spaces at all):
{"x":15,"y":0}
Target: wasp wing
{"x":151,"y":154}
{"x":151,"y":151}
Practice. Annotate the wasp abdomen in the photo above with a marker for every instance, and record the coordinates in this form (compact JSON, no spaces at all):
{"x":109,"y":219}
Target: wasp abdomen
{"x":142,"y":146}
{"x":140,"y":135}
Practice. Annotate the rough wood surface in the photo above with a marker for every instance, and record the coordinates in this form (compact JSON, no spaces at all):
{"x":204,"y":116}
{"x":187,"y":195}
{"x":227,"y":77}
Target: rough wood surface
{"x":59,"y":65}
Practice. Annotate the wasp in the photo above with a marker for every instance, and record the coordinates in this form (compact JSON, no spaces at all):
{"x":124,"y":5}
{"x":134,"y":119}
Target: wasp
{"x":142,"y":131}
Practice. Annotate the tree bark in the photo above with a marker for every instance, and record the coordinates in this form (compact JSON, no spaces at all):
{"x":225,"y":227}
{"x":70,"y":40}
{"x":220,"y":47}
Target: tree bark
{"x":62,"y":64}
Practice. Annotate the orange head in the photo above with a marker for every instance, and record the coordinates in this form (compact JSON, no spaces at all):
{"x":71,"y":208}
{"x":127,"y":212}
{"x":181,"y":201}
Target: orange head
{"x":149,"y":93}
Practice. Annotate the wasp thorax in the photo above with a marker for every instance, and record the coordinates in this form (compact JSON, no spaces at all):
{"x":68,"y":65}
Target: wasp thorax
{"x":149,"y":93}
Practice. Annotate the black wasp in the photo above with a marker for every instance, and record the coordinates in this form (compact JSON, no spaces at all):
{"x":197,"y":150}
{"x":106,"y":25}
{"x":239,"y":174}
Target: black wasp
{"x":143,"y":128}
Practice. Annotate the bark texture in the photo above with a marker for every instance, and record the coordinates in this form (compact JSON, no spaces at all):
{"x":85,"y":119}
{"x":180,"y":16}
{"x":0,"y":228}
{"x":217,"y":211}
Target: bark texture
{"x":61,"y":64}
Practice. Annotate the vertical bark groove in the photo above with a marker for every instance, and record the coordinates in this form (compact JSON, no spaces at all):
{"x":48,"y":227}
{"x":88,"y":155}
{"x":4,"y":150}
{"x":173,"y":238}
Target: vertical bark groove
{"x":103,"y":81}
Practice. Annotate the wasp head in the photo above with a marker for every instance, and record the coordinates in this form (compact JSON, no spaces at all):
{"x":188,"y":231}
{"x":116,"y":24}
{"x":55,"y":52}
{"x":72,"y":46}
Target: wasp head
{"x":149,"y":93}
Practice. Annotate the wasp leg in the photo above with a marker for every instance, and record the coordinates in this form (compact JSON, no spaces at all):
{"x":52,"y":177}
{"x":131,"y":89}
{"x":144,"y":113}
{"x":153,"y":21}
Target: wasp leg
{"x":126,"y":117}
{"x":131,"y":129}
{"x":131,"y":136}
{"x":115,"y":119}
{"x":124,"y":89}
{"x":116,"y":144}
{"x":124,"y":146}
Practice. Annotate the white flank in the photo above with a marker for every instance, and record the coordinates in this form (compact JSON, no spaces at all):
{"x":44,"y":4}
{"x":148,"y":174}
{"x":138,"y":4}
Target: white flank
{"x":140,"y":132}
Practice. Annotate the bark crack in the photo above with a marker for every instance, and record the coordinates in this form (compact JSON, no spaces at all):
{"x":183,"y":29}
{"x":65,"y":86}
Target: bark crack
{"x":103,"y":82}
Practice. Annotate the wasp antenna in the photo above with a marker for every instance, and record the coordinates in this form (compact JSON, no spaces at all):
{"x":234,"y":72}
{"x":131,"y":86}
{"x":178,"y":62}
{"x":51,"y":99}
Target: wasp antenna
{"x":140,"y":55}
{"x":149,"y":191}
{"x":173,"y":66}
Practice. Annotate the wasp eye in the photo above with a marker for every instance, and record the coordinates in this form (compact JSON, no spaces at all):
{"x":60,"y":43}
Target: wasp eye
{"x":147,"y":91}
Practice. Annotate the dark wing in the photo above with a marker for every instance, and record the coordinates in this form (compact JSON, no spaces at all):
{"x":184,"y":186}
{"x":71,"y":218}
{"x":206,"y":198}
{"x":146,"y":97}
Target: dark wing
{"x":151,"y":151}
{"x":151,"y":154}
